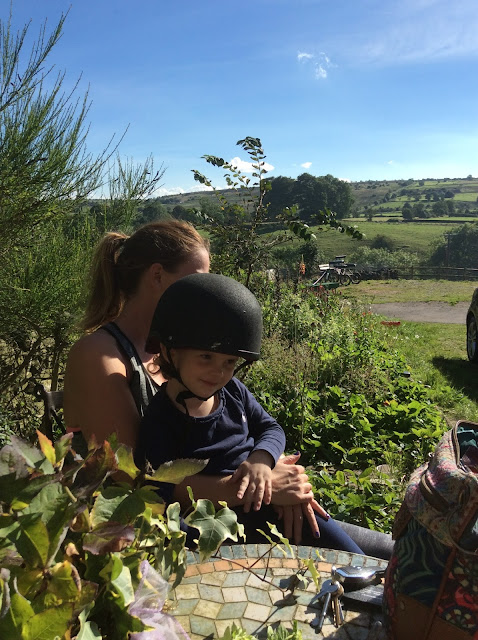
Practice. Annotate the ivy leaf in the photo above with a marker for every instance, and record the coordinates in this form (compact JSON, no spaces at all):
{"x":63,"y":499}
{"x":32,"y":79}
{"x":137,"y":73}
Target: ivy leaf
{"x":88,"y":630}
{"x":176,"y":470}
{"x":213,"y":527}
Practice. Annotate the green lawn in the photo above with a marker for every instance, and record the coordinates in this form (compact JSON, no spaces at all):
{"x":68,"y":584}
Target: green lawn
{"x":377,"y":291}
{"x":435,"y":353}
{"x":417,"y":237}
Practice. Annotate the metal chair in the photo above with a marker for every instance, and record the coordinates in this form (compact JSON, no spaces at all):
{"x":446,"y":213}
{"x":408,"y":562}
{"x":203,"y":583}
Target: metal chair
{"x":52,"y":406}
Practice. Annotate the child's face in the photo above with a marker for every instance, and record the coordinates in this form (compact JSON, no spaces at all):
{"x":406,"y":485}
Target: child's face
{"x":204,"y":372}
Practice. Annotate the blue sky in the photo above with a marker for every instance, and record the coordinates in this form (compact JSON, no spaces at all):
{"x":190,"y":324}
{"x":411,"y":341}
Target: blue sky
{"x":360,"y":89}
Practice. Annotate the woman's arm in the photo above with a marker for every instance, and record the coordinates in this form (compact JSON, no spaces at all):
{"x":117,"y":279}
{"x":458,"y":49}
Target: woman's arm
{"x":97,"y":397}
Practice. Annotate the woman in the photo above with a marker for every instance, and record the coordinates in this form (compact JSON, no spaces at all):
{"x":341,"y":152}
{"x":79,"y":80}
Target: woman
{"x":108,"y":377}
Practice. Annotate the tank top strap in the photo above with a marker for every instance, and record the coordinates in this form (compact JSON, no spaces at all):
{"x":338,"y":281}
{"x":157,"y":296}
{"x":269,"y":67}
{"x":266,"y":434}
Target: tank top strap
{"x":142,"y":386}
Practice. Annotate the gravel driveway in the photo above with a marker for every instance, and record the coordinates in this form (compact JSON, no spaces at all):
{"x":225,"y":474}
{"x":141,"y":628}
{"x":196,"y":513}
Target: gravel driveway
{"x":440,"y":312}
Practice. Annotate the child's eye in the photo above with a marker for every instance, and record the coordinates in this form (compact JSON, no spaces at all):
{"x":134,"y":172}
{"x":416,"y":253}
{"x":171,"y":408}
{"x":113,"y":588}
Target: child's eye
{"x":232,"y":362}
{"x":205,"y":356}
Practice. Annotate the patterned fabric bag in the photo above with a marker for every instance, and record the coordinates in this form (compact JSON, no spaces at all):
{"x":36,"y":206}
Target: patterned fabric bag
{"x":431,"y":585}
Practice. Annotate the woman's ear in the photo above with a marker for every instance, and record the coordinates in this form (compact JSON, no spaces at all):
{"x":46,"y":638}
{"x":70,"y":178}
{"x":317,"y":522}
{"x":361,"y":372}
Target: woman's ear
{"x":156,"y":272}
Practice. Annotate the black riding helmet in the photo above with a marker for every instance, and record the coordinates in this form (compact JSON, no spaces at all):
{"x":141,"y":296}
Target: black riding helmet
{"x":208,"y":311}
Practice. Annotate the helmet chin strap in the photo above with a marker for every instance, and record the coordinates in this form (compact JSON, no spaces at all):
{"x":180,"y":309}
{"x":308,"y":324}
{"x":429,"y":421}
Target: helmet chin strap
{"x":187,"y":393}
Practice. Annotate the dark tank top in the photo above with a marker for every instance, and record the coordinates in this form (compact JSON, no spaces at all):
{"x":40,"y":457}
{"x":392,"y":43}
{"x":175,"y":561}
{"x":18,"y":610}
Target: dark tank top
{"x":142,"y":386}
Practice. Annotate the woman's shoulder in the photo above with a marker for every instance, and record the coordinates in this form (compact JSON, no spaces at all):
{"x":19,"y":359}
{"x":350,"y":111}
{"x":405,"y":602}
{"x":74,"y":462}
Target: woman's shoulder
{"x":95,"y":348}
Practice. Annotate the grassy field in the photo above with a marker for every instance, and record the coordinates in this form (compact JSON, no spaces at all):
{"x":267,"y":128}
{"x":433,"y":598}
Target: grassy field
{"x":435,"y":353}
{"x":415,"y":237}
{"x":377,"y":291}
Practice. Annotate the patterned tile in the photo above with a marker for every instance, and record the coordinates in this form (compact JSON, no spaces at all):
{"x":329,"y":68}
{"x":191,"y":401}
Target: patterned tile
{"x":259,"y":596}
{"x":211,"y":593}
{"x":217,"y":593}
{"x":202,"y":626}
{"x":257,"y":612}
{"x":236,"y":579}
{"x":232,"y":610}
{"x":207,"y":609}
{"x":234,"y":594}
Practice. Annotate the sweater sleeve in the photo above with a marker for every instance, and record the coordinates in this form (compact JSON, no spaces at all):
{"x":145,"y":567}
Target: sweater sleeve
{"x":267,"y":433}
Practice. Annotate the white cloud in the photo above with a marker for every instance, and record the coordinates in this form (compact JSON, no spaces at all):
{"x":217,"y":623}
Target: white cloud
{"x":174,"y":191}
{"x":320,"y":62}
{"x":306,"y":165}
{"x":415,"y":31}
{"x":390,"y":162}
{"x":303,"y":57}
{"x":247,"y":167}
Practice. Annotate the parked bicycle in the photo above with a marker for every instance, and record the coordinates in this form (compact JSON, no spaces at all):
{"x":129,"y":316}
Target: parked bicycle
{"x":338,"y":271}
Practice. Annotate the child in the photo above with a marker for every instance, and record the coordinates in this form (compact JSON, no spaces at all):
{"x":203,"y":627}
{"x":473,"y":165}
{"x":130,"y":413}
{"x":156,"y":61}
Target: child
{"x":205,"y":328}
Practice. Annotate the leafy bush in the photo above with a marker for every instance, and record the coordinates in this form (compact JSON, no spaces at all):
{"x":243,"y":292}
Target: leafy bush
{"x":345,"y":400}
{"x":82,"y":554}
{"x":383,"y":258}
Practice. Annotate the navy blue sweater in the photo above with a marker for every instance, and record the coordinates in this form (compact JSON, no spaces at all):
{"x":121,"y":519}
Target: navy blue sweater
{"x":226,"y":437}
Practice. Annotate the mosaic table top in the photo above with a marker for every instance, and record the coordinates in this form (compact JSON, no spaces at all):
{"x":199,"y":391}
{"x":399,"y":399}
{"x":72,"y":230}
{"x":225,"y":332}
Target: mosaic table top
{"x":246,"y":587}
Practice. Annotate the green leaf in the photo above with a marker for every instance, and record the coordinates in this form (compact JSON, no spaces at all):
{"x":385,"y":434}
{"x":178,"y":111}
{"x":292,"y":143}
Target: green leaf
{"x":32,"y":540}
{"x":19,"y":612}
{"x":47,"y":447}
{"x":64,"y":582}
{"x":62,"y":446}
{"x":31,"y":454}
{"x":48,"y":624}
{"x":213,"y":527}
{"x":120,"y":577}
{"x":124,"y":456}
{"x":57,"y":510}
{"x":176,"y":470}
{"x":88,"y":630}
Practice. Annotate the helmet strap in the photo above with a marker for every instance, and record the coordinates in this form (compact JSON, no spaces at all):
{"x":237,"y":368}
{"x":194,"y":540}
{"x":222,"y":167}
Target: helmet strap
{"x":187,"y":393}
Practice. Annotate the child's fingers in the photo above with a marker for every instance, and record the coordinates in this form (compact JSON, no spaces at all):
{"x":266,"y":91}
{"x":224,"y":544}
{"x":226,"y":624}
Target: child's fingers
{"x":243,"y":487}
{"x":249,"y":497}
{"x":259,"y":494}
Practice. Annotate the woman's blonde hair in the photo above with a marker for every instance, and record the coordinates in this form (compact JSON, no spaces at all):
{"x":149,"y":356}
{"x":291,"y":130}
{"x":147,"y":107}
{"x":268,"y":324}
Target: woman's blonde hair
{"x":120,"y":260}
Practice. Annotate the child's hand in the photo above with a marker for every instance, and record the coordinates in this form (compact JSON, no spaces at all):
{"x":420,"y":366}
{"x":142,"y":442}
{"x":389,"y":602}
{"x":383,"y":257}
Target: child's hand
{"x":255,"y":480}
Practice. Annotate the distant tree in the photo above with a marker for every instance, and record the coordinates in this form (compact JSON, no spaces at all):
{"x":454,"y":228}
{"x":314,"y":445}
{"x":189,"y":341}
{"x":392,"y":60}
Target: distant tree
{"x":280,"y":195}
{"x":449,"y":194}
{"x":151,"y":211}
{"x":419,"y":210}
{"x":325,"y":192}
{"x":439,"y":208}
{"x":407,"y":211}
{"x":180,"y":212}
{"x":450,"y":205}
{"x":458,"y":249}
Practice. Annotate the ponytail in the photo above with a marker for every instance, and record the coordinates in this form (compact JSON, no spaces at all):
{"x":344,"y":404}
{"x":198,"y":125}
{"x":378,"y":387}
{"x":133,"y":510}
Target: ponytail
{"x":106,"y":298}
